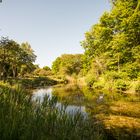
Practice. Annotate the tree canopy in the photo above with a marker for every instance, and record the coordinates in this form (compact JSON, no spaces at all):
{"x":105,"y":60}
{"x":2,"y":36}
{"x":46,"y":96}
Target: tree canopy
{"x":15,"y":59}
{"x":68,"y":64}
{"x":114,"y":42}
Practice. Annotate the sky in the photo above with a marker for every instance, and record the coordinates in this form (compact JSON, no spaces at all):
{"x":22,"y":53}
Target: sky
{"x":51,"y":27}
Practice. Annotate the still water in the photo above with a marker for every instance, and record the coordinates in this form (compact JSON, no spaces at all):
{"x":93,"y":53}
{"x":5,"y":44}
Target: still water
{"x":71,"y":96}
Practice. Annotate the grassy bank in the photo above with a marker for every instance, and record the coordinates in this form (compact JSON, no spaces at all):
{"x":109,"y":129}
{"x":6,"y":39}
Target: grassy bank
{"x":22,"y":118}
{"x":118,"y":112}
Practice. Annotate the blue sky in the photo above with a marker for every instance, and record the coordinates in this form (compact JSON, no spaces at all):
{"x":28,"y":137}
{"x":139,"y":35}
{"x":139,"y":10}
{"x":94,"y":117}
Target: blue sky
{"x":52,"y":27}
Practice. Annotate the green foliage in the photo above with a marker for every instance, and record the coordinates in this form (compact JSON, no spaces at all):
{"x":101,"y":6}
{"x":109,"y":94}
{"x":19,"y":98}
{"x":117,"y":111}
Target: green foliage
{"x":98,"y":85}
{"x":67,"y":64}
{"x":56,"y":65}
{"x":90,"y":80}
{"x":24,"y":118}
{"x":15,"y":59}
{"x":42,"y":72}
{"x":112,"y":75}
{"x":132,"y":69}
{"x":112,"y":46}
{"x":121,"y":85}
{"x":46,"y":68}
{"x":137,"y":87}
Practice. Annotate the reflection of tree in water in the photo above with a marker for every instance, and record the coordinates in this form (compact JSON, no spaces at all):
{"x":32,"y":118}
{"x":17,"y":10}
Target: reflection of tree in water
{"x":71,"y":95}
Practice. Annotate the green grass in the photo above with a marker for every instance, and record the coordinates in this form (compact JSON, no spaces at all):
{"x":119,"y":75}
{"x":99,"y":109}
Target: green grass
{"x":24,"y":119}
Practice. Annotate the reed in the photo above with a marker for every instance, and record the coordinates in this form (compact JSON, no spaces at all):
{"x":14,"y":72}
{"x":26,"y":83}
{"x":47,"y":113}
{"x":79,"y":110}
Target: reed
{"x":22,"y":118}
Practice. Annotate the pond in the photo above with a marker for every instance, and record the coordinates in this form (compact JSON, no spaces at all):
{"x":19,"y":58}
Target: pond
{"x":71,"y":96}
{"x":65,"y":97}
{"x":76,"y":99}
{"x":99,"y":106}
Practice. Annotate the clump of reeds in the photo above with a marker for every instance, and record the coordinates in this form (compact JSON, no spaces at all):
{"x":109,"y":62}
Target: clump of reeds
{"x":25,"y":119}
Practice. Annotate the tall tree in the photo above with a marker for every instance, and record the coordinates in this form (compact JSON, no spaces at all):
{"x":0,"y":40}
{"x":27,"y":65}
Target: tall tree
{"x":116,"y":38}
{"x":13,"y":56}
{"x":68,"y":64}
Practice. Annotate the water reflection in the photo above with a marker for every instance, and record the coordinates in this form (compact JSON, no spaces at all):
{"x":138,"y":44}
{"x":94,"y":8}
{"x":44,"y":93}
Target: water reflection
{"x":73,"y":108}
{"x":39,"y":94}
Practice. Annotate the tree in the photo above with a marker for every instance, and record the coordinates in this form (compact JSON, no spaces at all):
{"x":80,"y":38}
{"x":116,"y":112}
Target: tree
{"x":46,"y":68}
{"x":68,"y":64}
{"x":14,"y":57}
{"x":116,"y":38}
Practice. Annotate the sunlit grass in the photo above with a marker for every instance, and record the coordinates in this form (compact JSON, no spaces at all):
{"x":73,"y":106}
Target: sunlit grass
{"x":131,"y":109}
{"x":122,"y":127}
{"x":118,"y":112}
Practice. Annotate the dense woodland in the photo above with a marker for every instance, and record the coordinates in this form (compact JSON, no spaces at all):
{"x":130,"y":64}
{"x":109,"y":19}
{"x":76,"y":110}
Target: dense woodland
{"x":110,"y":65}
{"x":112,"y":50}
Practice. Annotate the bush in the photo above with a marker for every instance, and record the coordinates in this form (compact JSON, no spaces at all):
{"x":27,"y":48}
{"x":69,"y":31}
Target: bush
{"x":114,"y":75}
{"x":132,"y":69}
{"x":90,"y":80}
{"x":98,"y":85}
{"x":121,"y":85}
{"x":42,"y":72}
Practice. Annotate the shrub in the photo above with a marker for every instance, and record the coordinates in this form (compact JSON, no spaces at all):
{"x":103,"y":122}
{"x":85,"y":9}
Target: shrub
{"x":42,"y":72}
{"x":112,"y":75}
{"x":98,"y":85}
{"x":90,"y":80}
{"x":121,"y":85}
{"x":132,"y":69}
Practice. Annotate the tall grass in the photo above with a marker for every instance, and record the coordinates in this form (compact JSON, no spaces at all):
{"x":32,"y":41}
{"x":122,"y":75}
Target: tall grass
{"x":21,"y":118}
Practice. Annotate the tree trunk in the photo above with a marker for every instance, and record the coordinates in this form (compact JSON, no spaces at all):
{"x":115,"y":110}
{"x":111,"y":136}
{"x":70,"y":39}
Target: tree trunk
{"x":118,"y":63}
{"x":14,"y":71}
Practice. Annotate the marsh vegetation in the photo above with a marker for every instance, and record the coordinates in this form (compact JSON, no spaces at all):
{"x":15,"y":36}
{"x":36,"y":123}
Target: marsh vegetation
{"x":96,"y":94}
{"x":25,"y":118}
